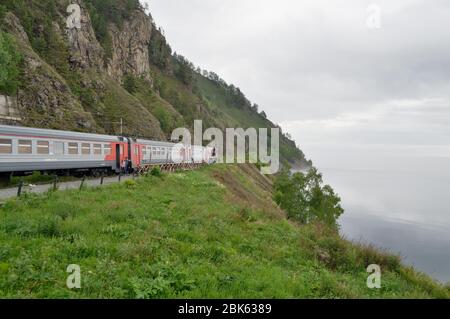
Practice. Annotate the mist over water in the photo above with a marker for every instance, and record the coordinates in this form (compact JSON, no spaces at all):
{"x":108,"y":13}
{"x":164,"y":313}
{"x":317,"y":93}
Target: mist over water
{"x":397,"y":201}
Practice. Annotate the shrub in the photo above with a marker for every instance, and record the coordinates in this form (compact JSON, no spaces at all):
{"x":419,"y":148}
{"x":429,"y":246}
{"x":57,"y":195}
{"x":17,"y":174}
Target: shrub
{"x":161,"y":280}
{"x":156,"y":171}
{"x":130,"y":183}
{"x":367,"y":255}
{"x":129,"y":84}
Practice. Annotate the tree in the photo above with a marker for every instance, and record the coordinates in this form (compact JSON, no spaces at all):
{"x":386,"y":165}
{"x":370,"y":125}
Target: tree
{"x":184,"y":70}
{"x":305,"y":199}
{"x":2,"y":12}
{"x":9,"y":65}
{"x":129,"y":83}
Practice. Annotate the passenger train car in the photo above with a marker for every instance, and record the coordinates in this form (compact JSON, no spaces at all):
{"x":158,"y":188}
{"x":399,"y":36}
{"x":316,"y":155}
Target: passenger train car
{"x":25,"y":149}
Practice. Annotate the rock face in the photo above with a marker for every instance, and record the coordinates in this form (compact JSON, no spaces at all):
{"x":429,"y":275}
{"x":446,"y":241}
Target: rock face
{"x":85,"y":50}
{"x":46,"y":100}
{"x":129,"y":50}
{"x":8,"y":108}
{"x":78,"y":85}
{"x":131,"y":47}
{"x":12,"y":24}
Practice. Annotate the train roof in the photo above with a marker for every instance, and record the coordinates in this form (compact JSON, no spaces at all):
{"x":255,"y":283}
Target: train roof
{"x":155,"y":143}
{"x":161,"y":144}
{"x":47,"y":133}
{"x":70,"y":135}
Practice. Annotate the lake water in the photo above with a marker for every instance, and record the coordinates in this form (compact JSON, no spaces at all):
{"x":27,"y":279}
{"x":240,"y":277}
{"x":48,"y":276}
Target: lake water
{"x":400,"y":204}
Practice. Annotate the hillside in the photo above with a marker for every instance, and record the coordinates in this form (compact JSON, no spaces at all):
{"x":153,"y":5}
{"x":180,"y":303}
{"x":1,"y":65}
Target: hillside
{"x":117,"y":66}
{"x":211,"y":233}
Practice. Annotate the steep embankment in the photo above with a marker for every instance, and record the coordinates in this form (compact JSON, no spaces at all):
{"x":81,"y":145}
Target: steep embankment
{"x":117,"y":66}
{"x":211,"y":233}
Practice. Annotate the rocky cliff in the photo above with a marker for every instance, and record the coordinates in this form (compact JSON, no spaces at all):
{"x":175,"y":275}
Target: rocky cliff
{"x":129,"y":46}
{"x":130,"y":53}
{"x":71,"y":91}
{"x":85,"y":50}
{"x":45,"y":98}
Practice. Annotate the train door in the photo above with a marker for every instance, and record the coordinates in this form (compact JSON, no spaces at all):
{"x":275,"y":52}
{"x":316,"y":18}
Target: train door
{"x":118,"y":157}
{"x":129,"y":149}
{"x":137,"y":155}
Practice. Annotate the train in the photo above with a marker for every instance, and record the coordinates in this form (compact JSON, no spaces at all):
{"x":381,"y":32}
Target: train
{"x":24,"y":150}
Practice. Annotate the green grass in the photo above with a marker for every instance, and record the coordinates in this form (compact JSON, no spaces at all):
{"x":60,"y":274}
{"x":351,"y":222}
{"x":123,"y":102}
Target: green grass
{"x":212,"y":233}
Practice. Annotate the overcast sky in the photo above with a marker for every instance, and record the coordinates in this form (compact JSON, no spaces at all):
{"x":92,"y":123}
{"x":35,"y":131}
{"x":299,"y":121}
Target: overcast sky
{"x":319,"y":71}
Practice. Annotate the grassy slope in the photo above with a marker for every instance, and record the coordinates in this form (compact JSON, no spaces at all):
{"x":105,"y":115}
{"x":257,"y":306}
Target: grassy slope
{"x":190,"y":234}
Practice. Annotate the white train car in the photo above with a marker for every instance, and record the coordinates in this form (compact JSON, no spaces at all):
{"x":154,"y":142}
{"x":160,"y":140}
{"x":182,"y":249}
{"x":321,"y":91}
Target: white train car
{"x":154,"y":152}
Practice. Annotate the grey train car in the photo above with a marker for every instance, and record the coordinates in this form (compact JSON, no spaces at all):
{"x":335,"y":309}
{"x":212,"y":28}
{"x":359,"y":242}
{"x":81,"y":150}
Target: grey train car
{"x":28,"y":149}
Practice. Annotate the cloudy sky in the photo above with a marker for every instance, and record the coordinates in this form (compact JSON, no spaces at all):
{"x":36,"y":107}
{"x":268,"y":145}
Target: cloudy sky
{"x":326,"y":73}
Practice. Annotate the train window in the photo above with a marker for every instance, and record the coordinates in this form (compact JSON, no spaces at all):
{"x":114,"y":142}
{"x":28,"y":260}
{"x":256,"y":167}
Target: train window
{"x":5,"y":146}
{"x":154,"y":151}
{"x":107,"y":149}
{"x":136,"y":150}
{"x":58,"y":148}
{"x":25,"y":147}
{"x":85,"y":149}
{"x":43,"y":147}
{"x":97,"y":149}
{"x":73,"y":148}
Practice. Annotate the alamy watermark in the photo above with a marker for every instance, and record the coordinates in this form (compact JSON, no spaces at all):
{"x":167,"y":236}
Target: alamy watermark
{"x":74,"y":19}
{"x":74,"y":279}
{"x":235,"y":145}
{"x":373,"y":20}
{"x":374,"y":280}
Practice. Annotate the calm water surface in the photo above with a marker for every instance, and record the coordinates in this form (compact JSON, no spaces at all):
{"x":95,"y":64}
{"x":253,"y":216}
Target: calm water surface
{"x":404,"y":211}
